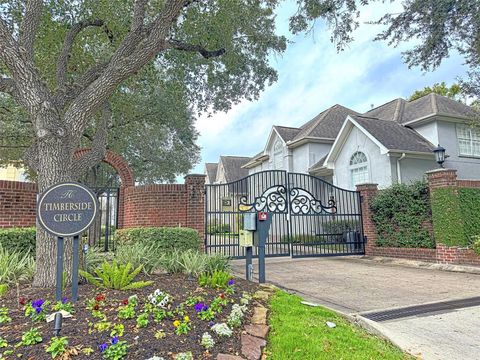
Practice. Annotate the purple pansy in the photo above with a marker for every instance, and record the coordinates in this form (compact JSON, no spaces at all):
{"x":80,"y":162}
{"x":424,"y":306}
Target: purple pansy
{"x":64,"y":300}
{"x":231,"y":282}
{"x":103,"y":347}
{"x":38,"y":303}
{"x":200,"y":307}
{"x":211,"y":323}
{"x":38,"y":310}
{"x":114,"y":340}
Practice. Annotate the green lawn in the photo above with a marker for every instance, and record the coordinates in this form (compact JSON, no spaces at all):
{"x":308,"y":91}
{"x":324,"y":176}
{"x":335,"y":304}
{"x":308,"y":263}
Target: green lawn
{"x":299,"y":332}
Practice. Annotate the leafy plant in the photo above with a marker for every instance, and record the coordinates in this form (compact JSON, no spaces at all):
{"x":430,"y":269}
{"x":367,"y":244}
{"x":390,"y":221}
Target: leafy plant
{"x":170,"y":262}
{"x":142,"y":320}
{"x":19,"y":240}
{"x":184,"y":356}
{"x":3,"y":289}
{"x":207,"y":341}
{"x":15,"y":266}
{"x":216,"y":262}
{"x":117,"y":330}
{"x":215,"y":280}
{"x":31,"y":337}
{"x":3,"y":343}
{"x":222,"y":329}
{"x":475,"y":246}
{"x":139,"y":254}
{"x":116,"y":350}
{"x":37,"y":310}
{"x":182,"y":327}
{"x":94,"y":257}
{"x":57,"y":346}
{"x":400,"y":214}
{"x":64,"y":305}
{"x":4,"y":317}
{"x":115,"y":276}
{"x":192,"y":262}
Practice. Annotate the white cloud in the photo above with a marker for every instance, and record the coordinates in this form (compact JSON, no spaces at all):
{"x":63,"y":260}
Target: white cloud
{"x":313,"y":77}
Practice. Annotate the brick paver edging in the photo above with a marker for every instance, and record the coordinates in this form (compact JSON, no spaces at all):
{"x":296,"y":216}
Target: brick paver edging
{"x":254,"y":335}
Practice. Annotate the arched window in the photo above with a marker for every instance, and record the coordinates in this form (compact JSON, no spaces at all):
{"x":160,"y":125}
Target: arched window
{"x":359,"y":168}
{"x":278,"y":155}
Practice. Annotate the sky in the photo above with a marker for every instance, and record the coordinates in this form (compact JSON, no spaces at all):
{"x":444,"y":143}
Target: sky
{"x":312,"y":77}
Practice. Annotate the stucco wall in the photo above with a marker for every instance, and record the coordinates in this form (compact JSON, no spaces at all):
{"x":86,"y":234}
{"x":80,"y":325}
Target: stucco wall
{"x":467,"y":167}
{"x":414,"y":169}
{"x":429,"y":131}
{"x":379,"y":168}
{"x":300,"y":158}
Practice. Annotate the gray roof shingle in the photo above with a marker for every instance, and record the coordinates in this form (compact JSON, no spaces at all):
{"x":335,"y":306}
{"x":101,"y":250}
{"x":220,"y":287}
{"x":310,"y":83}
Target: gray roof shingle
{"x":287,"y":133}
{"x":325,"y":125}
{"x":211,"y":169}
{"x":232,"y":166}
{"x":393,"y":135}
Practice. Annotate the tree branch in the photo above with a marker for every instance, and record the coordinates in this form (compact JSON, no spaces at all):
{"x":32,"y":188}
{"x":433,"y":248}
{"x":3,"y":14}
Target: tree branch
{"x":28,"y":29}
{"x":207,"y":54}
{"x":99,"y":145}
{"x":62,"y":61}
{"x":139,"y":14}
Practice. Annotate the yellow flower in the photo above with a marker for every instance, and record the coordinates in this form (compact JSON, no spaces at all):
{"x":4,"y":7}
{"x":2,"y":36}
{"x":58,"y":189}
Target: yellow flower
{"x":176,"y":323}
{"x":186,"y":319}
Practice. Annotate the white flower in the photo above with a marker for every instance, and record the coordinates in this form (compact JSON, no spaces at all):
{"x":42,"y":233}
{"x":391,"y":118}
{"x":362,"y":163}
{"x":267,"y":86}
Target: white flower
{"x":157,"y":292}
{"x":207,"y":341}
{"x":222,"y":329}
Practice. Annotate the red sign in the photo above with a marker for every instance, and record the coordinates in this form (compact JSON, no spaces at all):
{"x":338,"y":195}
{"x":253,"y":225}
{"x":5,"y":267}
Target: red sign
{"x":262,"y":216}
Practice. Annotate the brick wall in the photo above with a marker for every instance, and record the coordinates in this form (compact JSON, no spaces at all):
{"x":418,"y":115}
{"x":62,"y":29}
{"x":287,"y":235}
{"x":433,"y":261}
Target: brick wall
{"x":17,"y":204}
{"x":166,"y":204}
{"x":429,"y":255}
{"x":367,"y":192}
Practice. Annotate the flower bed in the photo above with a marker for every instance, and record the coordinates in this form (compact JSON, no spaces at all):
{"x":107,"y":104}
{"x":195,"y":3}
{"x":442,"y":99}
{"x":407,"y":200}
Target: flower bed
{"x":173,"y":318}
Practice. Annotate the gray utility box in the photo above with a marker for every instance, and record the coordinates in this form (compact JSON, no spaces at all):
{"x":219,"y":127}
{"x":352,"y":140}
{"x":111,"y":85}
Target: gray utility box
{"x":250,"y":221}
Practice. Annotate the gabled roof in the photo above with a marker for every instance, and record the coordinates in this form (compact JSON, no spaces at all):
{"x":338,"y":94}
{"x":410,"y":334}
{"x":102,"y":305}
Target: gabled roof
{"x":232,"y":166}
{"x":318,"y":165}
{"x":286,"y":133}
{"x":429,"y":105}
{"x":325,"y":125}
{"x":394,"y":136}
{"x":211,"y":171}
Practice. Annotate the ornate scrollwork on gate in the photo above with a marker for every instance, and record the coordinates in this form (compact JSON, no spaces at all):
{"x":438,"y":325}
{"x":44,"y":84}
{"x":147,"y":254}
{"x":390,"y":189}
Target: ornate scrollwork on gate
{"x":303,"y":202}
{"x":274,"y":200}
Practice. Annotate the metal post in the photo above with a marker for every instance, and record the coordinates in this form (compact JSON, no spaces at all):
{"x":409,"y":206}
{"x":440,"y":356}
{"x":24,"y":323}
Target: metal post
{"x":76,"y":249}
{"x":249,"y":266}
{"x":107,"y":221}
{"x":262,"y":227}
{"x":58,"y":291}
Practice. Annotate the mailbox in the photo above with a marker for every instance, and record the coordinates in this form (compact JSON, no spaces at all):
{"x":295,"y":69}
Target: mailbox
{"x":246,"y":238}
{"x":249,"y":221}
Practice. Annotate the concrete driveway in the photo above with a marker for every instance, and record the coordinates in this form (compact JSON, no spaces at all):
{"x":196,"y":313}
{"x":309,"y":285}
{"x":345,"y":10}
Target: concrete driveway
{"x":358,"y":287}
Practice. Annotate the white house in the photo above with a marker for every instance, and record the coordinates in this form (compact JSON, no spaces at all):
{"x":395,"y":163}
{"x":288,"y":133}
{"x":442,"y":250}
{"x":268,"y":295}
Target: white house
{"x":227,"y":170}
{"x":389,"y":144}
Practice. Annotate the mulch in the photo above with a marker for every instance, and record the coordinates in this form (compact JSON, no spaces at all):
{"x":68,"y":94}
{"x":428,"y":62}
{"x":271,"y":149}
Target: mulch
{"x":142,"y":342}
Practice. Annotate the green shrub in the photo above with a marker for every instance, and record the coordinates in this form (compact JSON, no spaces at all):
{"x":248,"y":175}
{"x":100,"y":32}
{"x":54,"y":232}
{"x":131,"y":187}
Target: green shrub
{"x":340,"y":226}
{"x":3,"y":289}
{"x":95,"y":257}
{"x":15,"y":266}
{"x":215,"y":280}
{"x":170,"y":262}
{"x":469,"y":200}
{"x":448,"y":222}
{"x":115,"y":276}
{"x":216,"y":226}
{"x":216,"y":262}
{"x":399,"y":214}
{"x":167,"y":239}
{"x":139,"y":254}
{"x":20,"y":240}
{"x":192,"y":262}
{"x":476,"y":244}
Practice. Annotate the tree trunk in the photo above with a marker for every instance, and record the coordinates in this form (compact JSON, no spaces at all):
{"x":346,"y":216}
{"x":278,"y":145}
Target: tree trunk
{"x":55,"y":159}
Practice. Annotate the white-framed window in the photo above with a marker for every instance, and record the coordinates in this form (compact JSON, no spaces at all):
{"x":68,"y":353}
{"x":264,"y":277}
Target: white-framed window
{"x":359,"y":168}
{"x":468,"y":140}
{"x":278,"y":155}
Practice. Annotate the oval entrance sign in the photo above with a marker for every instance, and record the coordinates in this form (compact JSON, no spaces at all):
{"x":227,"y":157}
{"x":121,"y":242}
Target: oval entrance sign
{"x":67,"y":209}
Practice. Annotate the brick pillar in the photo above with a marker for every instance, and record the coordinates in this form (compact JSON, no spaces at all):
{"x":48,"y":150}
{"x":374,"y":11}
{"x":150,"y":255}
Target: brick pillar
{"x":441,"y":178}
{"x":195,"y":187}
{"x":121,"y":206}
{"x":367,"y":192}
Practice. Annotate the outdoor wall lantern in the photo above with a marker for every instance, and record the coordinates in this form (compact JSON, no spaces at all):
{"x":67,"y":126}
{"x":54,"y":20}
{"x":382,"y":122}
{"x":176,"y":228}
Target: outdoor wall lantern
{"x":439,"y":155}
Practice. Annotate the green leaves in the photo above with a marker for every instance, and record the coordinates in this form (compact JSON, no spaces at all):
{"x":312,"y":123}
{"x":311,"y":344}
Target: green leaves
{"x":401,"y":214}
{"x":115,"y":276}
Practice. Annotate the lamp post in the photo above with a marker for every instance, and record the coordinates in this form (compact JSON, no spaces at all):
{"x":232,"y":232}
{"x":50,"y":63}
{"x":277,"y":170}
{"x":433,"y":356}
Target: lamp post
{"x":439,"y":155}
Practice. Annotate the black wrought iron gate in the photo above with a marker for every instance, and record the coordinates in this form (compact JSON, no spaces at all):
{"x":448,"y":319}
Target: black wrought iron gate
{"x":310,"y":217}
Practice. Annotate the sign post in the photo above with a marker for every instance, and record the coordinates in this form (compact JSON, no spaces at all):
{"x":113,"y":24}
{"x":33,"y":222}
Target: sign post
{"x":66,"y":210}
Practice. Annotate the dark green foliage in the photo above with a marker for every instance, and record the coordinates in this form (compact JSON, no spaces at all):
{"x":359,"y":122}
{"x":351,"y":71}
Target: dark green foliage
{"x":216,"y":227}
{"x":469,"y":200}
{"x":114,"y":276}
{"x":399,"y":213}
{"x":447,"y":218}
{"x":167,"y":239}
{"x":20,"y":240}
